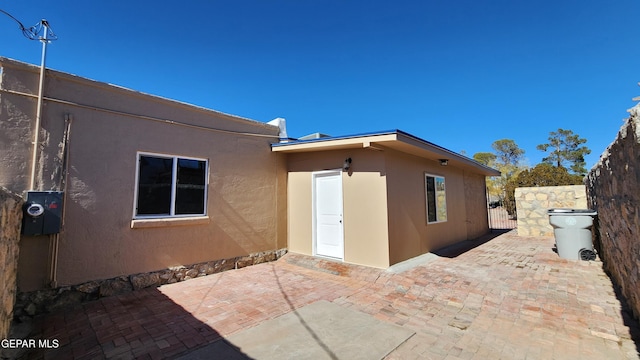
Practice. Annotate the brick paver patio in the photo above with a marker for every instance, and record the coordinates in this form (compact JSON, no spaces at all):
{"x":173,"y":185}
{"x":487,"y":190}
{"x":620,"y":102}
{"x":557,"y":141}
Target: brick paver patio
{"x":507,"y":298}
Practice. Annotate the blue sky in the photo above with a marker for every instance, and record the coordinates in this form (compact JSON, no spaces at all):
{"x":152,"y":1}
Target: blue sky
{"x":461,"y":74}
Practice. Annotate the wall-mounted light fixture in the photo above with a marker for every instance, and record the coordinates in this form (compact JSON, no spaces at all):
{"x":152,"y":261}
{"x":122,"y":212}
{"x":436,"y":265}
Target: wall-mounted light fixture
{"x":347,"y":164}
{"x":444,"y":162}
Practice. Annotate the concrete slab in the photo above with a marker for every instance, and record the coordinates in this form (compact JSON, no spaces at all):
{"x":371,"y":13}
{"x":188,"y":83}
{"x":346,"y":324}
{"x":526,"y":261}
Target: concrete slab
{"x":412,"y":263}
{"x":448,"y":251}
{"x":322,"y":330}
{"x":220,"y":349}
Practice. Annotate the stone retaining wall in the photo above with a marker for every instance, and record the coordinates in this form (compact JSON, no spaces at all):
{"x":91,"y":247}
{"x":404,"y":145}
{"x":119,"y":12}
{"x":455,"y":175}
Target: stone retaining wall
{"x":532,"y":204}
{"x":10,"y":223}
{"x":42,"y":301}
{"x":613,"y":189}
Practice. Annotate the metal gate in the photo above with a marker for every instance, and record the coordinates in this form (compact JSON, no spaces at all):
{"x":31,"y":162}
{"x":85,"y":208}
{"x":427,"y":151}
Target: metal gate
{"x":502,"y":213}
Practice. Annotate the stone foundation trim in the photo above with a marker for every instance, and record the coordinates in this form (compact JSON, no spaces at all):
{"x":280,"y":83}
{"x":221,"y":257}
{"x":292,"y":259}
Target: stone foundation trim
{"x":37,"y":302}
{"x":10,"y":224}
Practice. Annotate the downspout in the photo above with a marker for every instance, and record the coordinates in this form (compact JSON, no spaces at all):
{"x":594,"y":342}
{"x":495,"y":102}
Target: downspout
{"x":54,"y":239}
{"x":36,"y":136}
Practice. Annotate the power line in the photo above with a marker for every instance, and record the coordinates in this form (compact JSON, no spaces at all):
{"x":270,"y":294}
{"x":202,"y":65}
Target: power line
{"x":47,"y":36}
{"x":32,"y":32}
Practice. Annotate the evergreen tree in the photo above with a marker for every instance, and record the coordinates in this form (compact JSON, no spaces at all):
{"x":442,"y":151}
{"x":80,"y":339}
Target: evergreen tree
{"x":485,"y":158}
{"x":565,"y":147}
{"x":507,"y":158}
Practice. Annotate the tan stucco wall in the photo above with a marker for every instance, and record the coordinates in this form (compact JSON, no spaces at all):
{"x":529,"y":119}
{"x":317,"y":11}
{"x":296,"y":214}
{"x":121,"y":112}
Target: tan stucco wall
{"x":299,"y":207}
{"x":247,"y":183}
{"x":364,"y":203}
{"x":475,"y":189}
{"x":409,"y":233}
{"x":385,"y":206}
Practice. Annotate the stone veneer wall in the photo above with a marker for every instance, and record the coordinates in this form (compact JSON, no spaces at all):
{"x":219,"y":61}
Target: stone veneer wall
{"x":10,"y":223}
{"x":42,"y":301}
{"x":532,"y":204}
{"x":613,"y":189}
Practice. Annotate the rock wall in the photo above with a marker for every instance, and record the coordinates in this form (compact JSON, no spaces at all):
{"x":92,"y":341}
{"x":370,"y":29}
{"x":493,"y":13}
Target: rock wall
{"x":613,"y":189}
{"x":29,"y":304}
{"x":532,"y":204}
{"x":10,"y":223}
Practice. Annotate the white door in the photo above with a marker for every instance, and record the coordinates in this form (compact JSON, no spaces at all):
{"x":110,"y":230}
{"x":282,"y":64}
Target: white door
{"x":327,"y":211}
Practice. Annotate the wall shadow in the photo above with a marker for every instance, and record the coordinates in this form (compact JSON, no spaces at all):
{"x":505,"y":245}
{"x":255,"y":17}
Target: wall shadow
{"x":626,"y":313}
{"x":462,"y":247}
{"x":627,"y":316}
{"x":139,"y":324}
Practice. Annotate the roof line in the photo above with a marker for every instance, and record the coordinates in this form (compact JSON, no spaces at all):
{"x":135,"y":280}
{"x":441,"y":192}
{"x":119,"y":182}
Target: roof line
{"x":382,"y":133}
{"x":341,"y":137}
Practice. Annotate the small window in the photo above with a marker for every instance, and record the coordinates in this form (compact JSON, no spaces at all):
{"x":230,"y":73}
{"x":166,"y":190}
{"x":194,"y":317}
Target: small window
{"x":170,"y":186}
{"x":436,"y":199}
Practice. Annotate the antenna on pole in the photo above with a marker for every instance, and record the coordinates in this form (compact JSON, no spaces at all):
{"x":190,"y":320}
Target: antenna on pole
{"x":33,"y":33}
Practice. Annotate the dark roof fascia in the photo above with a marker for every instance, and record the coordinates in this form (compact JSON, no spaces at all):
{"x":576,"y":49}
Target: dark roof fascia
{"x":342,"y":137}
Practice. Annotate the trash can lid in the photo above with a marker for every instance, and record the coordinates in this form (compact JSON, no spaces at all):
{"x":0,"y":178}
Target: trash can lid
{"x":567,"y":211}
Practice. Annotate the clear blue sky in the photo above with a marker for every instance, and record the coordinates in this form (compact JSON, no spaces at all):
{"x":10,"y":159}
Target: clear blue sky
{"x":461,"y":74}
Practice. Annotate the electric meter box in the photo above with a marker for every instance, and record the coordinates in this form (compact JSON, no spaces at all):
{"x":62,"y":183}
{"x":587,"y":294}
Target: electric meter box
{"x":42,"y":213}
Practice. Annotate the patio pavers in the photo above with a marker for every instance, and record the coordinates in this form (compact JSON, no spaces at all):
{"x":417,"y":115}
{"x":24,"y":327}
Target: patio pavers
{"x":508,"y":297}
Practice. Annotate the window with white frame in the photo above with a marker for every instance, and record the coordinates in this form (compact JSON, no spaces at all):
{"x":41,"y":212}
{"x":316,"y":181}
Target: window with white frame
{"x":170,"y":186}
{"x":436,"y":198}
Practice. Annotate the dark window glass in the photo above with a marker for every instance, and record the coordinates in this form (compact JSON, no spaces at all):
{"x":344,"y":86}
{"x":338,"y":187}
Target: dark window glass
{"x":190,"y":192}
{"x":154,"y":186}
{"x":431,"y":199}
{"x":436,"y":199}
{"x":441,"y":200}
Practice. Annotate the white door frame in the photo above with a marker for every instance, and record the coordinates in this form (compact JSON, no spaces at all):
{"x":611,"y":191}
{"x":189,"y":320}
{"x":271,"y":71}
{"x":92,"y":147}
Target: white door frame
{"x":314,"y":176}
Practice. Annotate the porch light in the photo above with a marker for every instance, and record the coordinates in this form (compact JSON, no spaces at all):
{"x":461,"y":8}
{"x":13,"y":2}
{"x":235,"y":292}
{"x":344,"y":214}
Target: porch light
{"x":347,"y":164}
{"x":444,"y":162}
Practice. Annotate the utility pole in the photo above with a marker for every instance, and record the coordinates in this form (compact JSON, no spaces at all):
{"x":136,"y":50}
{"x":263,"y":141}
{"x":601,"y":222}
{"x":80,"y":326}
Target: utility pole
{"x":32,"y":33}
{"x":36,"y":138}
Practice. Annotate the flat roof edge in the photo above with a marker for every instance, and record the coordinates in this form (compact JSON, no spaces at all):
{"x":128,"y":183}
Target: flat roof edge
{"x":21,"y":65}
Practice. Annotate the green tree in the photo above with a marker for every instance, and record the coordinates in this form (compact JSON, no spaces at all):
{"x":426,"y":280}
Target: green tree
{"x":507,"y":158}
{"x":507,"y":152}
{"x":543,"y":174}
{"x":565,"y":147}
{"x":485,"y":158}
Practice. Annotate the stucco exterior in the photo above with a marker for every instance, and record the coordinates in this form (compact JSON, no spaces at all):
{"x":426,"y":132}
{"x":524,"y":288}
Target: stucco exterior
{"x":107,"y":126}
{"x":365,"y":203}
{"x":384,"y":196}
{"x":260,"y":191}
{"x":409,"y":231}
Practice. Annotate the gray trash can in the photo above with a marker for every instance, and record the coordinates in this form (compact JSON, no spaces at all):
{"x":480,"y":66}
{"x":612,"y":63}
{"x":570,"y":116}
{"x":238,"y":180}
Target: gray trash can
{"x":572,"y":230}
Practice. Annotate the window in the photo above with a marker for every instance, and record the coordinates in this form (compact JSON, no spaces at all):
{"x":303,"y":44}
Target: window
{"x":436,"y":199}
{"x":170,"y":186}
